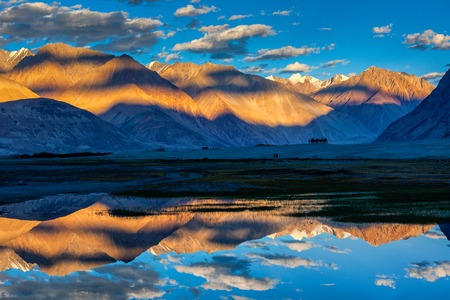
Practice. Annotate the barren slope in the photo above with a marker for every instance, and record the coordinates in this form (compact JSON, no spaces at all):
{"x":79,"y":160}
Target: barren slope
{"x":429,"y":120}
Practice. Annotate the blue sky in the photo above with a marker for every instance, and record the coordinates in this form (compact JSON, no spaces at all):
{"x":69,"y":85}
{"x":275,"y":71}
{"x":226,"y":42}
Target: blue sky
{"x":318,"y":38}
{"x":312,"y":268}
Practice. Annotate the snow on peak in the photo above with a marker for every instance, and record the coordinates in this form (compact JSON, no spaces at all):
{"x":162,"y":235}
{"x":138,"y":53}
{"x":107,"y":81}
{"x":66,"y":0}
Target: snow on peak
{"x":17,"y":54}
{"x":336,"y":79}
{"x":298,"y":78}
{"x":271,"y":77}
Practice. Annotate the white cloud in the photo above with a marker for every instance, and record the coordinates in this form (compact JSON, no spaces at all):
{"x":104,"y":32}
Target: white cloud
{"x":123,"y":282}
{"x":335,"y":249}
{"x":253,"y":69}
{"x":113,"y":31}
{"x":429,"y":271}
{"x":286,"y":261}
{"x":434,"y":234}
{"x":270,"y":71}
{"x":222,"y":42}
{"x":382,"y":30}
{"x":173,"y":56}
{"x":329,"y":47}
{"x":432,"y":76}
{"x":428,"y":40}
{"x":190,"y":11}
{"x":168,"y":56}
{"x":239,"y":17}
{"x":300,"y":246}
{"x":297,"y":68}
{"x":145,"y":293}
{"x":385,"y":282}
{"x":281,"y":53}
{"x":333,"y":63}
{"x":220,"y":277}
{"x":240,"y":298}
{"x":326,"y":29}
{"x":11,"y":2}
{"x":284,"y":13}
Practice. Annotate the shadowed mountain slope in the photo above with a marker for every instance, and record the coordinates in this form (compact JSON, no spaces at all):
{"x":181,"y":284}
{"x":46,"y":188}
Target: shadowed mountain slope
{"x":221,"y":90}
{"x":95,"y":234}
{"x":122,"y":80}
{"x":250,"y":106}
{"x":39,"y":125}
{"x":376,"y":97}
{"x":429,"y":120}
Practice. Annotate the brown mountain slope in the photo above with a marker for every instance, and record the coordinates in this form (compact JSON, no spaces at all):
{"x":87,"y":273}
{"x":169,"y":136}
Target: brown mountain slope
{"x":221,"y":90}
{"x":56,"y":67}
{"x":220,"y":231}
{"x":93,"y":236}
{"x":10,"y":90}
{"x":429,"y":120}
{"x":376,"y":97}
{"x":376,"y":86}
{"x":89,"y":238}
{"x":123,"y":80}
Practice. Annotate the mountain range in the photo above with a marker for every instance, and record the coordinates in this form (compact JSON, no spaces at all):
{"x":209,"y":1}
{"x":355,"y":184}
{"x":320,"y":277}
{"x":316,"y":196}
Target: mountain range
{"x":191,"y":105}
{"x":376,"y":97}
{"x":308,"y":84}
{"x":91,"y":236}
{"x":45,"y":125}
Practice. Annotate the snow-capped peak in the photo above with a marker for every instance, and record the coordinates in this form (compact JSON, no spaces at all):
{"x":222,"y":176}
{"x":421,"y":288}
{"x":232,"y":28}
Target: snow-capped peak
{"x":271,"y":77}
{"x":298,"y":78}
{"x":158,"y":66}
{"x":17,"y":54}
{"x":337,"y":78}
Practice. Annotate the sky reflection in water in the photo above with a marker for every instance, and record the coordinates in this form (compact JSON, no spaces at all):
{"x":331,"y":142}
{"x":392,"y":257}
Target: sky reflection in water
{"x":273,"y":257}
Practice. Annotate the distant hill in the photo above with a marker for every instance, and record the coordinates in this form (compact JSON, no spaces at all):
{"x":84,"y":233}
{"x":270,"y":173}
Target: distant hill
{"x":376,"y":97}
{"x":39,"y":125}
{"x":11,"y":90}
{"x":429,"y":120}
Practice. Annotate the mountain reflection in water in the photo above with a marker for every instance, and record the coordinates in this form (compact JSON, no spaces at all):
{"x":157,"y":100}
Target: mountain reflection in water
{"x":101,"y":246}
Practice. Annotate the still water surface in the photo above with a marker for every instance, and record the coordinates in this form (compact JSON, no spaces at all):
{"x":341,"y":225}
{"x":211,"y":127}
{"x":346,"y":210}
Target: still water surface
{"x":102,"y":247}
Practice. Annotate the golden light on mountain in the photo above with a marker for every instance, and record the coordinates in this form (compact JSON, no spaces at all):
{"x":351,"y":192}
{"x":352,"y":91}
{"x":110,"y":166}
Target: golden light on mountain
{"x":122,"y":80}
{"x":11,"y":90}
{"x":88,"y":238}
{"x":376,"y":86}
{"x":221,"y":90}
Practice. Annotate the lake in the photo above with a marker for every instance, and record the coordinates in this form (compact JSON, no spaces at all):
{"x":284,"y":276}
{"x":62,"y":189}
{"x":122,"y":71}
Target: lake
{"x":97,"y":246}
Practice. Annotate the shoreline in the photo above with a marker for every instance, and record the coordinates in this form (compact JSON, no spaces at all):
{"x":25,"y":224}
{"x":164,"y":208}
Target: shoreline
{"x":26,"y":179}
